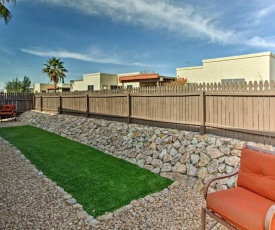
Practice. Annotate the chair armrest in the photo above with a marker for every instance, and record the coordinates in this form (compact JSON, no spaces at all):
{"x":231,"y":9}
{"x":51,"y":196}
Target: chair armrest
{"x":218,"y":178}
{"x":268,"y":218}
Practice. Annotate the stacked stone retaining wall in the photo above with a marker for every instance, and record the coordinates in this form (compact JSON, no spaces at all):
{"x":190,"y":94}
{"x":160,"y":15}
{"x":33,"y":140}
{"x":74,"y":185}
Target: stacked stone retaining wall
{"x":183,"y":156}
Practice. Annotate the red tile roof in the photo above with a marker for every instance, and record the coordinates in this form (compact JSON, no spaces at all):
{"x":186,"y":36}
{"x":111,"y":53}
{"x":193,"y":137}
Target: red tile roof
{"x":138,"y":77}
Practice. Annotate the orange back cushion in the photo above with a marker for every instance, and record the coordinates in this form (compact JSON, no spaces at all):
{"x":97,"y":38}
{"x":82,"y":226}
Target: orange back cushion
{"x":257,"y":173}
{"x":7,"y":108}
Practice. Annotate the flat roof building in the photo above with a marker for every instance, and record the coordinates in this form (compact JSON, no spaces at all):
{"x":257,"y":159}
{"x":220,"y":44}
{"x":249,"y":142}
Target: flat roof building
{"x":100,"y":81}
{"x":250,"y":67}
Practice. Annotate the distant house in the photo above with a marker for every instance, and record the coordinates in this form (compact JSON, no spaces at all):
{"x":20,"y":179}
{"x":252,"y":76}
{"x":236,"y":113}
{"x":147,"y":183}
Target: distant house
{"x":99,"y":81}
{"x":95,"y":81}
{"x":48,"y":88}
{"x":140,"y":79}
{"x":250,"y":67}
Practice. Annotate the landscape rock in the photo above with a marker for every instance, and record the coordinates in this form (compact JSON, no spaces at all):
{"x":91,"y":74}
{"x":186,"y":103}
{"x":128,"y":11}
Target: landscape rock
{"x":214,"y":153}
{"x":204,"y":159}
{"x":202,"y":173}
{"x":185,"y":157}
{"x":169,"y":152}
{"x":166,"y":167}
{"x":213,"y":166}
{"x":232,"y":161}
{"x":180,"y":168}
{"x":106,"y":217}
{"x":191,"y":169}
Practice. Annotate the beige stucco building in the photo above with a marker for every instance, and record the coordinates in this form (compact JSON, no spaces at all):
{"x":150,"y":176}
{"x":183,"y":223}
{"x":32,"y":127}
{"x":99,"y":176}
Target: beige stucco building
{"x":99,"y":81}
{"x":250,"y":67}
{"x":48,"y":88}
{"x":95,"y":81}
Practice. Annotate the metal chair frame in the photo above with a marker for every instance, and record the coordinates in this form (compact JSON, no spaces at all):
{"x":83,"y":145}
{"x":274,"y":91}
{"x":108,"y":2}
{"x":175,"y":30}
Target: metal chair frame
{"x":205,"y":210}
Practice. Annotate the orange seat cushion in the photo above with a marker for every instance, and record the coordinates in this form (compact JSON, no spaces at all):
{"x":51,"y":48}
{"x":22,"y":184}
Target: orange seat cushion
{"x":6,"y":113}
{"x":240,"y":207}
{"x":257,"y":173}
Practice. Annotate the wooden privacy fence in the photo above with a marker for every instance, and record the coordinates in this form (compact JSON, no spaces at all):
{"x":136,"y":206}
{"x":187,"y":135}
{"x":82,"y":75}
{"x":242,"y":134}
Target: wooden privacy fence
{"x":23,"y":101}
{"x":239,"y":110}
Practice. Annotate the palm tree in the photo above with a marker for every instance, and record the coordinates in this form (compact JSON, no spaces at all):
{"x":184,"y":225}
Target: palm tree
{"x":55,"y":70}
{"x":4,"y":12}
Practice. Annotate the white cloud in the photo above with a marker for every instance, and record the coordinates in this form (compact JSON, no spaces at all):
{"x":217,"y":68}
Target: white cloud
{"x":261,"y":42}
{"x":264,"y":12}
{"x":185,"y":20}
{"x":94,"y":56}
{"x":261,"y":14}
{"x":3,"y":49}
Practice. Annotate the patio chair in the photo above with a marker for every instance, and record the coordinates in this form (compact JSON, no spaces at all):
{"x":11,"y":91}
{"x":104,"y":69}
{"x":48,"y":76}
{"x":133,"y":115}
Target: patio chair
{"x":250,"y":205}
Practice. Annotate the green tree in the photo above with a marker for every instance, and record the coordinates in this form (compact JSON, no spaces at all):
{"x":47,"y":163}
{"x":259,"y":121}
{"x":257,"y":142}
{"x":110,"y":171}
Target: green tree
{"x":4,"y":12}
{"x":55,"y":69}
{"x":17,"y":86}
{"x":26,"y":83}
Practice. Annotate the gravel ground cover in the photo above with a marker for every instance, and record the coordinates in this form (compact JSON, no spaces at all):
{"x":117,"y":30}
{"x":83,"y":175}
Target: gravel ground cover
{"x":29,"y":201}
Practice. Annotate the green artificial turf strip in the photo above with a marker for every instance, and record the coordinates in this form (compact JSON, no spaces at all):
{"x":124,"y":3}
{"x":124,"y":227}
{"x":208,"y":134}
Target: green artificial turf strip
{"x":98,"y":181}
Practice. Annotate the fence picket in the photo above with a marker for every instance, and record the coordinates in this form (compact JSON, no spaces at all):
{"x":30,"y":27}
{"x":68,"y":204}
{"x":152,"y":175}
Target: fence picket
{"x":233,"y":109}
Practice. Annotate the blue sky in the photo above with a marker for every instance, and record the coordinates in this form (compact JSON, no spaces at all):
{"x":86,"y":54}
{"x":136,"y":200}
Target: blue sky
{"x":121,"y":36}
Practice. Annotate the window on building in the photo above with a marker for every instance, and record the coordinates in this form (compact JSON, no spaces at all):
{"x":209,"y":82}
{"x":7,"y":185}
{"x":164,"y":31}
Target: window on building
{"x":90,"y":87}
{"x":129,"y":86}
{"x":233,"y":80}
{"x":116,"y":86}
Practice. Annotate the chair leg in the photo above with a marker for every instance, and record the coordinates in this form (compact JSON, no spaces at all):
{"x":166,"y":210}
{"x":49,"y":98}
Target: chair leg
{"x":203,"y":219}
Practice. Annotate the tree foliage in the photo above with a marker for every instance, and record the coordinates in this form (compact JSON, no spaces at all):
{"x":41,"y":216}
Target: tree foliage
{"x":178,"y":81}
{"x":55,"y":69}
{"x":4,"y":12}
{"x":17,"y":86}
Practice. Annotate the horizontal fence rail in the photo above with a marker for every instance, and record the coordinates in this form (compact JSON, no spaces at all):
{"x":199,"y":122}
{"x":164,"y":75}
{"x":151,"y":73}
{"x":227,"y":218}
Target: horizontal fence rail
{"x":239,"y":110}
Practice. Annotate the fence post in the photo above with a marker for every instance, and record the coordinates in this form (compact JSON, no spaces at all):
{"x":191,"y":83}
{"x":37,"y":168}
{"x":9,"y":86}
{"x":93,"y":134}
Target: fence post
{"x":202,"y":108}
{"x":33,"y":101}
{"x":60,"y":105}
{"x":40,"y":103}
{"x":129,"y":108}
{"x":87,"y":106}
